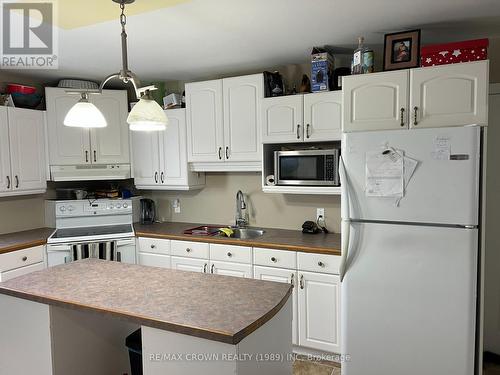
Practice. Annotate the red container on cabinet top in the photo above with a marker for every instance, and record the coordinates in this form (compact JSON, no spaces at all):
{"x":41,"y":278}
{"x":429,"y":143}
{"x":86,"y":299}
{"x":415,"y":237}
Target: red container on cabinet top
{"x":452,"y":53}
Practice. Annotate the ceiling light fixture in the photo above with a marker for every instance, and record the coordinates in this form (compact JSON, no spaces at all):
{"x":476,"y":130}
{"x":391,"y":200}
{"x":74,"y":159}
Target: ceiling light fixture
{"x":146,"y":115}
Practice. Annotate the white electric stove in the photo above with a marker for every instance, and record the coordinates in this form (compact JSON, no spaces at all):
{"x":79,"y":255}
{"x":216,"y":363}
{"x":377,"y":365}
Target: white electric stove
{"x":90,"y":228}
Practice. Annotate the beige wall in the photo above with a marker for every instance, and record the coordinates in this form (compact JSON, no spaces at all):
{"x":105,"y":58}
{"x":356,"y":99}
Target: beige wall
{"x":21,"y":213}
{"x":216,"y":204}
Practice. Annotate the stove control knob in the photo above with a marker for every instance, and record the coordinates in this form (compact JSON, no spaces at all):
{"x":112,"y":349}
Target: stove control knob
{"x":111,"y":206}
{"x":62,"y":208}
{"x":71,"y":208}
{"x":125,"y":205}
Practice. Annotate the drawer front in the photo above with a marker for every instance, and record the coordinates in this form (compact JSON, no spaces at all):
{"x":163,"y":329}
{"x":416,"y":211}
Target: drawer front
{"x":190,"y":249}
{"x":275,"y":258}
{"x":21,"y":258}
{"x":319,"y":263}
{"x":154,"y":260}
{"x":4,"y":276}
{"x":154,"y":245}
{"x":229,"y":253}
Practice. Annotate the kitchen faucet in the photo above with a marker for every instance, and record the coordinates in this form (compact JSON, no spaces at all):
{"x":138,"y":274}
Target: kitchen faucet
{"x":241,"y":220}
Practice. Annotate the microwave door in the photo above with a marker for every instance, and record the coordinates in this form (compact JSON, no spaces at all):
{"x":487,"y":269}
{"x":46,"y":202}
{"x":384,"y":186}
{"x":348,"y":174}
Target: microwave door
{"x":301,"y":170}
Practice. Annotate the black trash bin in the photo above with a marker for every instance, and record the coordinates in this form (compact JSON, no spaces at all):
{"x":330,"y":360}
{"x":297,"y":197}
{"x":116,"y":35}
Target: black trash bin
{"x":134,"y":345}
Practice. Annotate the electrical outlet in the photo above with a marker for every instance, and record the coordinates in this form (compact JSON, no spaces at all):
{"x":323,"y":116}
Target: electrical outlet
{"x":320,"y":212}
{"x":177,"y":206}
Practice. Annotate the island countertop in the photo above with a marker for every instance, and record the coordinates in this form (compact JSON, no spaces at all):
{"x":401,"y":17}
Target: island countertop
{"x":214,"y":307}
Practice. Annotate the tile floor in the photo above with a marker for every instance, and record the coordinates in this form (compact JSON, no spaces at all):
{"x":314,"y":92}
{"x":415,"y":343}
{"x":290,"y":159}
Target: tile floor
{"x":305,"y":367}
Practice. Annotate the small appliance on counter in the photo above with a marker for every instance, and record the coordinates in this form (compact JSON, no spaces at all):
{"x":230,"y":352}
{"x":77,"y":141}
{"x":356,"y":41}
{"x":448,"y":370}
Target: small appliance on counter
{"x":148,"y":211}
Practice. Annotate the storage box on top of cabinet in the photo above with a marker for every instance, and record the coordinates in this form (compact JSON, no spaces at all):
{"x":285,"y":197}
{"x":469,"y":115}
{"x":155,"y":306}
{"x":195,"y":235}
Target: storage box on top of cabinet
{"x":438,"y":96}
{"x":223,"y":124}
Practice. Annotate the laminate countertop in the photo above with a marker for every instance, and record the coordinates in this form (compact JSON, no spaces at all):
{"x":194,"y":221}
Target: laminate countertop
{"x":22,"y":240}
{"x":282,"y":239}
{"x":214,"y":307}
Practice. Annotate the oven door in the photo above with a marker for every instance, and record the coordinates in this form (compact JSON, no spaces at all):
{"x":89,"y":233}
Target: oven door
{"x":306,"y":168}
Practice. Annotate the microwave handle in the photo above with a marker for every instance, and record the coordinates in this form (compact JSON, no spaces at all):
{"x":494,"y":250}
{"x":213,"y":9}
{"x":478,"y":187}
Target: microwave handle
{"x":276,"y":167}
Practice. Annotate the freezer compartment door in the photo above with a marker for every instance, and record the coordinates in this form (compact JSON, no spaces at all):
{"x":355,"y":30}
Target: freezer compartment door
{"x":408,"y":300}
{"x":443,"y":189}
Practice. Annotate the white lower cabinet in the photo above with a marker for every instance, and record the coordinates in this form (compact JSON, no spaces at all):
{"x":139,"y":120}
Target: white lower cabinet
{"x":190,"y":264}
{"x":21,"y":262}
{"x":231,"y":269}
{"x":318,"y":311}
{"x":281,"y":275}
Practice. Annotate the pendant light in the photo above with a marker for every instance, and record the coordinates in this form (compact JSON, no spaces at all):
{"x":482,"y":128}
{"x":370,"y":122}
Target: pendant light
{"x":85,"y":115}
{"x":146,"y":115}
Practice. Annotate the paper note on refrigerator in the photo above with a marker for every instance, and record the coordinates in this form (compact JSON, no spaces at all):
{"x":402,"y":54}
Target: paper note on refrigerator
{"x":384,"y":173}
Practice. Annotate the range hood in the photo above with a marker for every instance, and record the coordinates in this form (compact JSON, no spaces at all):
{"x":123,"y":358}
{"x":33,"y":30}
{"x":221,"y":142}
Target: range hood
{"x":89,"y":172}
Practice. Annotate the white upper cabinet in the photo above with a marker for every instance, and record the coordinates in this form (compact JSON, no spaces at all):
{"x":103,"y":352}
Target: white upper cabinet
{"x":376,"y":101}
{"x":242,"y":100}
{"x":110,"y":145}
{"x":77,"y":146}
{"x":283,"y":119}
{"x":22,"y":152}
{"x":323,"y":116}
{"x":204,"y":121}
{"x":449,"y":95}
{"x":5,"y":179}
{"x":160,"y":157}
{"x":223,"y":124}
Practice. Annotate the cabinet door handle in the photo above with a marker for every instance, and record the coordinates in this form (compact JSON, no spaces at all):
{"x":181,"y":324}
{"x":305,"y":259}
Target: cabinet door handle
{"x":156,"y":177}
{"x":162,"y":176}
{"x":301,"y":281}
{"x":415,"y":115}
{"x":220,"y":150}
{"x":298,"y":131}
{"x":17,"y":182}
{"x":8,"y":182}
{"x":86,"y":156}
{"x":205,"y":268}
{"x":307,"y":130}
{"x":292,"y":280}
{"x":212,"y":268}
{"x":402,"y":123}
{"x":227,"y":152}
{"x":95,"y":156}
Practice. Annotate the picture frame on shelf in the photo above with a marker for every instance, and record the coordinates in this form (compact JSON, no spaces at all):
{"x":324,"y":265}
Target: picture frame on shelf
{"x":402,"y":50}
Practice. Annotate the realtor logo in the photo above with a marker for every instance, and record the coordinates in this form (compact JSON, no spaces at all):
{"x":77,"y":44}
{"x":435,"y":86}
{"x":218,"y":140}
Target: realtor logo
{"x":28,"y":40}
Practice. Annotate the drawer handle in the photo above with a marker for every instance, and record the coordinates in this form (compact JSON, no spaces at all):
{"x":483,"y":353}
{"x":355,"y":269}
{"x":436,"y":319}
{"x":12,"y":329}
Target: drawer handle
{"x":188,"y":250}
{"x":321,"y":264}
{"x":229,"y":254}
{"x":153,"y":246}
{"x":301,"y":281}
{"x":274,"y":260}
{"x":25,"y":259}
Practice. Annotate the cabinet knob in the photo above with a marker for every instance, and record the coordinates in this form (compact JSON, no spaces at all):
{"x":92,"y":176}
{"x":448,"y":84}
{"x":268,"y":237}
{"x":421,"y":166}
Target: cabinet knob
{"x":274,"y":260}
{"x":153,"y":246}
{"x":229,"y":254}
{"x":188,"y":250}
{"x":321,"y":264}
{"x":25,"y":259}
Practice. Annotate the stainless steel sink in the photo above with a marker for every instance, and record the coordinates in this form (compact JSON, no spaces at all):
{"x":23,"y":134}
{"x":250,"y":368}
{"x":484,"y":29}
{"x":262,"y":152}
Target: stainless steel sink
{"x":247,"y":233}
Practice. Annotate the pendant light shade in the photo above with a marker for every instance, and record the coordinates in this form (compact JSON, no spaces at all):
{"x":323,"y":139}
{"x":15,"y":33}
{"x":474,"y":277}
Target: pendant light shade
{"x":85,"y":115}
{"x":147,"y":115}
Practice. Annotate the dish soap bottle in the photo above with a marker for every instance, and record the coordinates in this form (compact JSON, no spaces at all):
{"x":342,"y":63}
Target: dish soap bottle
{"x":357,"y":58}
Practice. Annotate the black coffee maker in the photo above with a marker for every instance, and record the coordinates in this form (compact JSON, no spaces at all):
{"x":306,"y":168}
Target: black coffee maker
{"x":148,"y":211}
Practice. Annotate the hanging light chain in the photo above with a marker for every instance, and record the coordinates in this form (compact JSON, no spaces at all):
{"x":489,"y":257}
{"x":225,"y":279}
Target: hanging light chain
{"x":123,"y":17}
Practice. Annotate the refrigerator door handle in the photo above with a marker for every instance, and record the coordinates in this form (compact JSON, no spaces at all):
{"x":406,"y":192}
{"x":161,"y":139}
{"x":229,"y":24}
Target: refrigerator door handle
{"x":346,"y":222}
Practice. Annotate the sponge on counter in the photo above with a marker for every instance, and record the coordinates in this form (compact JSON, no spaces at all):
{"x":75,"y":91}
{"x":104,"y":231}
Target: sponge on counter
{"x":227,"y":231}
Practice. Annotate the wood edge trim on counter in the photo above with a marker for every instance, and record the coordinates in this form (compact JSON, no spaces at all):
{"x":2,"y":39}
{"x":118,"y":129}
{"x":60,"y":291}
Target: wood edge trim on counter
{"x":213,"y":335}
{"x":238,"y":242}
{"x":22,"y":246}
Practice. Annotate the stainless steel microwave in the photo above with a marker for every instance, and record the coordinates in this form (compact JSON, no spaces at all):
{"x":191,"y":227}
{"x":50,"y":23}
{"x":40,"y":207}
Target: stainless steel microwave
{"x":307,"y":167}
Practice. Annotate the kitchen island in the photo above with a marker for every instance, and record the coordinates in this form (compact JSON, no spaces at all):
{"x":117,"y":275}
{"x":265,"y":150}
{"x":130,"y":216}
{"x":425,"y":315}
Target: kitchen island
{"x":74,"y":318}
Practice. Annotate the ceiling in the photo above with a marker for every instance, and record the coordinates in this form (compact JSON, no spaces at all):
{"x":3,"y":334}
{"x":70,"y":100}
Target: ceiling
{"x":196,"y":39}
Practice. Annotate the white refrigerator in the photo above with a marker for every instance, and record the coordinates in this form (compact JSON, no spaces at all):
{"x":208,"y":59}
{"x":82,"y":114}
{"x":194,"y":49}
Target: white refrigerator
{"x":410,"y":264}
